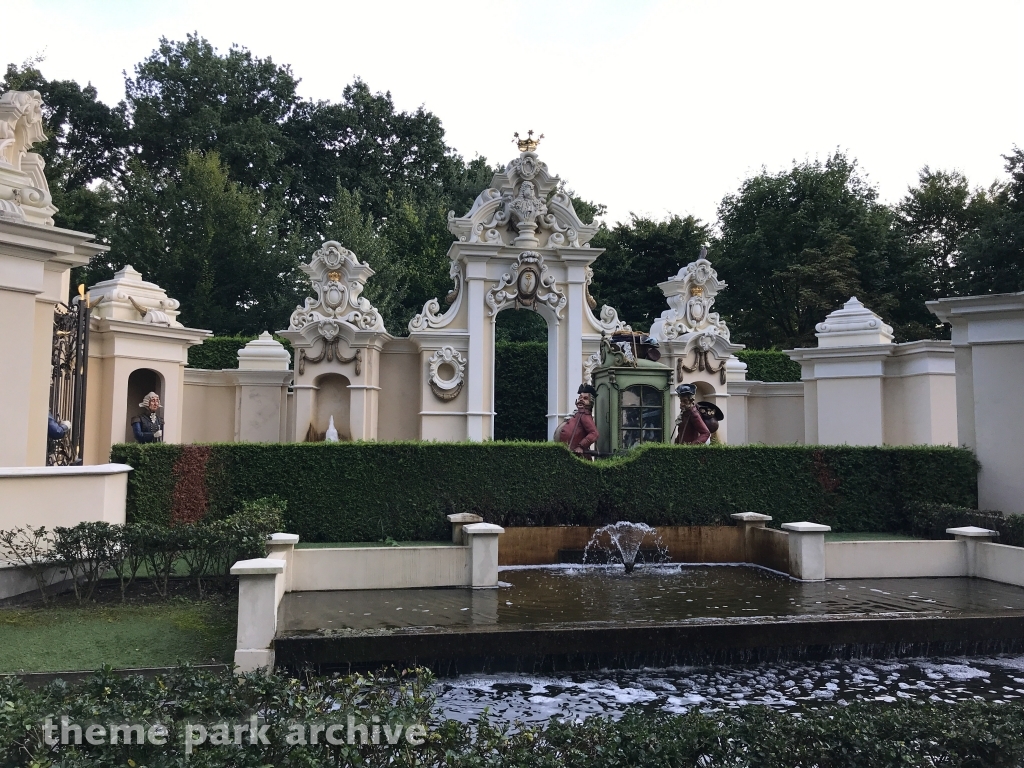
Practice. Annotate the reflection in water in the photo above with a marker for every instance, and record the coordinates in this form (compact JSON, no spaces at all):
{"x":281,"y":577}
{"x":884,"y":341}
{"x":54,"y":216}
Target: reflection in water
{"x":546,"y":596}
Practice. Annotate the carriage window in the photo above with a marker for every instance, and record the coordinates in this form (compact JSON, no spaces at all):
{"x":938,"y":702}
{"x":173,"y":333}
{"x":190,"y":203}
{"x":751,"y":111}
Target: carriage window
{"x":642,"y":416}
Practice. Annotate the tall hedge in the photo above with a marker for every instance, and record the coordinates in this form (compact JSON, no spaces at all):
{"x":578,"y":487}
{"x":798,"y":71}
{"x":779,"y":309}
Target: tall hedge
{"x":521,"y":390}
{"x":219,"y":352}
{"x":367,"y":491}
{"x":769,"y":365}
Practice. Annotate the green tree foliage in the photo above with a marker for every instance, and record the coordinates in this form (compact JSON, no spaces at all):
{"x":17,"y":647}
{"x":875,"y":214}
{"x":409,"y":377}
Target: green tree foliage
{"x":639,"y":255}
{"x":795,"y":245}
{"x":210,"y":242}
{"x":994,"y":254}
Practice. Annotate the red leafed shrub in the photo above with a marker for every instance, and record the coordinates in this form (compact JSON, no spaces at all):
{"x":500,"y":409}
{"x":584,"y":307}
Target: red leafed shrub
{"x":189,"y":500}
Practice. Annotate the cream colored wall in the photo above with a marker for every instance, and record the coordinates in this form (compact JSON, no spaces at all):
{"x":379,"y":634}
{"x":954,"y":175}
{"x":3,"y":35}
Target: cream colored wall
{"x":401,"y":381}
{"x":17,"y":336}
{"x":208,"y":407}
{"x":850,"y":411}
{"x":775,"y":413}
{"x":999,"y":424}
{"x":440,"y":420}
{"x":895,"y":559}
{"x":65,"y":496}
{"x":920,"y":410}
{"x":381,"y":568}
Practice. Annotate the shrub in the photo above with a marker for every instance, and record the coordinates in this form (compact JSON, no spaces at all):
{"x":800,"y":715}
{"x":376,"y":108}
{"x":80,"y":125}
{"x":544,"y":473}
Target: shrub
{"x":932,"y":520}
{"x":219,"y":352}
{"x":769,"y":365}
{"x":368,"y":491}
{"x":864,"y":734}
{"x":521,"y":390}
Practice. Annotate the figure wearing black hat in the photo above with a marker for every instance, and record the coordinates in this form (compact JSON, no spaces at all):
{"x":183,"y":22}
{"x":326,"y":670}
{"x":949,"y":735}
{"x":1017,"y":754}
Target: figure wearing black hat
{"x":579,"y":430}
{"x":711,"y":414}
{"x":690,"y":428}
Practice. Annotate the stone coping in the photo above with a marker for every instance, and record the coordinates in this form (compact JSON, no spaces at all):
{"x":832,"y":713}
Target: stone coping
{"x":750,"y":517}
{"x":465,"y":517}
{"x":805,"y":527}
{"x":474,"y":529}
{"x":259,"y":566}
{"x":90,"y":469}
{"x":283,"y":538}
{"x":972,"y":531}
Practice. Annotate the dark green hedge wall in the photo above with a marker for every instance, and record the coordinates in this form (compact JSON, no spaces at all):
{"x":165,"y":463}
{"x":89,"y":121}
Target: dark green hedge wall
{"x":366,"y":491}
{"x":521,"y":390}
{"x":769,"y":365}
{"x":220,"y":352}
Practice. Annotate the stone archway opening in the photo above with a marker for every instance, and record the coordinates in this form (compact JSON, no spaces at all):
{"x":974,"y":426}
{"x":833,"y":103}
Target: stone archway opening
{"x":141,"y":382}
{"x":521,"y":363}
{"x":333,"y":398}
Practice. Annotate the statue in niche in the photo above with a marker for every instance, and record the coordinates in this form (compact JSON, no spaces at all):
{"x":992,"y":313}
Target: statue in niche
{"x":579,"y":431}
{"x":690,"y":428}
{"x":148,"y":426}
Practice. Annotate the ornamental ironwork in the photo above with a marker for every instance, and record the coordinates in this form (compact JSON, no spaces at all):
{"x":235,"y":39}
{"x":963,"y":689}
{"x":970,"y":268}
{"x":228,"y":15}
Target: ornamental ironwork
{"x":69,"y":370}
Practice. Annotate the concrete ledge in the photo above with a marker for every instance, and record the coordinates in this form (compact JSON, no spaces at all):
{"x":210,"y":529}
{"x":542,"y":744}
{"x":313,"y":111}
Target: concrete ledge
{"x":62,"y":496}
{"x":260,"y":566}
{"x":894,"y":559}
{"x":999,"y":562}
{"x":380,"y":568}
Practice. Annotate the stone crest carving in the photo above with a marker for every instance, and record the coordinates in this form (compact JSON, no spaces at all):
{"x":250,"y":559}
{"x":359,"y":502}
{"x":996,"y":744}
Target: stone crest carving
{"x":523,"y":206}
{"x":24,"y":192}
{"x":525,"y":285}
{"x":691,"y":295}
{"x":447,"y":373}
{"x":338,"y":279}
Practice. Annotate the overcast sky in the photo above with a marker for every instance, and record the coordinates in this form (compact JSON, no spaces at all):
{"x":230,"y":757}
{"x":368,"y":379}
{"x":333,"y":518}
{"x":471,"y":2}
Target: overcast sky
{"x":652,"y":107}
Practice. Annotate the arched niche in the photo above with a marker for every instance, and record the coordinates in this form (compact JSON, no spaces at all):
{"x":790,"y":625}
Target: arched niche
{"x":141,"y":382}
{"x":333,"y":398}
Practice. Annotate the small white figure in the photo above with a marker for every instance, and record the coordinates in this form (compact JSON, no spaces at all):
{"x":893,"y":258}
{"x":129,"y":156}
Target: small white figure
{"x":331,"y":435}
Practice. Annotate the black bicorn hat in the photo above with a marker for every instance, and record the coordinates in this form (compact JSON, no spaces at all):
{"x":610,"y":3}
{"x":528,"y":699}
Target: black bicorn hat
{"x":686,"y":389}
{"x":704,"y":408}
{"x":587,"y":389}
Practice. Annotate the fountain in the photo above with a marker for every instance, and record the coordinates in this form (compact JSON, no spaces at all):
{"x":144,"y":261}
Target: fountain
{"x":624,"y":540}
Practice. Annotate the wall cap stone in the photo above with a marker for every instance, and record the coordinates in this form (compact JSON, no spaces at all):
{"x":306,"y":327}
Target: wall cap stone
{"x":805,"y":527}
{"x":474,"y":529}
{"x":259,"y":566}
{"x":972,"y":532}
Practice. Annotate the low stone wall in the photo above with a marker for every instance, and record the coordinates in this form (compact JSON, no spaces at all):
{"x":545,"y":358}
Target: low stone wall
{"x":999,"y":562}
{"x":895,"y":559}
{"x":62,"y":496}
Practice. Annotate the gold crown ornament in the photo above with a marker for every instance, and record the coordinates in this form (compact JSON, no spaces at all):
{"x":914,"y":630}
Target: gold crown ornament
{"x":529,"y":144}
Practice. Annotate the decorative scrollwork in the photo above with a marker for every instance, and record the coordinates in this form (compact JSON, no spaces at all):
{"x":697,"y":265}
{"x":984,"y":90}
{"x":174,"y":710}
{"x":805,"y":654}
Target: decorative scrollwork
{"x":330,"y":351}
{"x":703,"y":352}
{"x":338,"y":277}
{"x":525,"y":284}
{"x":448,"y":361}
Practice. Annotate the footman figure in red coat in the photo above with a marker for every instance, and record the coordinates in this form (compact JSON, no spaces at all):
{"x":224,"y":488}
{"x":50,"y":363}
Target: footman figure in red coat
{"x":579,"y":430}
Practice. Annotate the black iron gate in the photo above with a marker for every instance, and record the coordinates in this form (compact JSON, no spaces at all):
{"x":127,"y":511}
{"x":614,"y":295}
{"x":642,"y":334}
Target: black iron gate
{"x":68,"y":378}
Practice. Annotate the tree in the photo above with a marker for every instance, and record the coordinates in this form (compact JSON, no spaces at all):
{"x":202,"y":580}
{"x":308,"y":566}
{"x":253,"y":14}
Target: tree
{"x":640,"y":254}
{"x":994,"y":254}
{"x":796,"y":245}
{"x":211,"y":243}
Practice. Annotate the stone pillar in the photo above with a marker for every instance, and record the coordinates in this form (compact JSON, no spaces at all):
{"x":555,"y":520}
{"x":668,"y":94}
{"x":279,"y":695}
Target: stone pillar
{"x":988,"y":343}
{"x":458,"y":521}
{"x":259,"y":589}
{"x":35,"y":262}
{"x":970,"y":535}
{"x":134,"y":328}
{"x":483,"y":542}
{"x":807,"y":550}
{"x":747,"y":522}
{"x":262,"y":395}
{"x":281,"y":546}
{"x":479,"y":404}
{"x":843,"y":403}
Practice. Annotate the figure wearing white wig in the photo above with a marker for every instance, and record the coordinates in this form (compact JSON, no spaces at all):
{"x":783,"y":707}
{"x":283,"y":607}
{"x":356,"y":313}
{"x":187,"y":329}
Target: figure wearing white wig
{"x":148,"y":426}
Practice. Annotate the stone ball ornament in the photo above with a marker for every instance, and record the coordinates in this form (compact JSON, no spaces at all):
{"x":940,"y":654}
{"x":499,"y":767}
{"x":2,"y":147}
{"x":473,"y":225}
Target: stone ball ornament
{"x":447,"y":373}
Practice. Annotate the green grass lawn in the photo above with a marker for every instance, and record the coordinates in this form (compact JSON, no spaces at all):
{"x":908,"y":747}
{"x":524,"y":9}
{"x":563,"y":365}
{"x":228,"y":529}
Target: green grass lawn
{"x":64,"y":638}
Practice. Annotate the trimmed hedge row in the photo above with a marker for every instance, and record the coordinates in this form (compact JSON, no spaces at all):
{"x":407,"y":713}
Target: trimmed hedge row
{"x":521,"y":390}
{"x":369,"y":491}
{"x":219,"y":352}
{"x":931,"y":520}
{"x":862,"y":735}
{"x":769,"y":365}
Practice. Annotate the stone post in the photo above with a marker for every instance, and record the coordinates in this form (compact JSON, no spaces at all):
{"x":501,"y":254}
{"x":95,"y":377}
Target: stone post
{"x":747,"y":522}
{"x":281,"y":546}
{"x":263,"y":377}
{"x":483,"y":542}
{"x":458,"y":521}
{"x":988,"y":345}
{"x":259,"y":588}
{"x":971,"y":535}
{"x":807,"y":550}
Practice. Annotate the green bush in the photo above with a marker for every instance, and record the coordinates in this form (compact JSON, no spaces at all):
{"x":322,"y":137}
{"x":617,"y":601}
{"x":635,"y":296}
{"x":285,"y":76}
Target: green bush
{"x":864,"y":734}
{"x":368,"y":491}
{"x":521,"y":390}
{"x":219,"y":352}
{"x":769,"y":365}
{"x":932,"y":520}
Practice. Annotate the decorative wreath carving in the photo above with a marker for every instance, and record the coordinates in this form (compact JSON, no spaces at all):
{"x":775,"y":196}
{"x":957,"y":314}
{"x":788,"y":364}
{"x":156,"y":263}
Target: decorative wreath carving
{"x":447,"y":387}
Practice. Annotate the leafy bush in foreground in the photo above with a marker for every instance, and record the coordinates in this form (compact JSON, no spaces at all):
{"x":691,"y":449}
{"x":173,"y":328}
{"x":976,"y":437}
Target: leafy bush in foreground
{"x":868,"y":734}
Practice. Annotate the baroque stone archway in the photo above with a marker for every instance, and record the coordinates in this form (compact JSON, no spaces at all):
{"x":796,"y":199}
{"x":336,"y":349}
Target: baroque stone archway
{"x":521,"y":245}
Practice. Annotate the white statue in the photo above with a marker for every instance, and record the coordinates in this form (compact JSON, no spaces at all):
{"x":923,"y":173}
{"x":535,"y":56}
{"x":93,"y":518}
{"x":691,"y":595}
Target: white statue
{"x":331,"y":436}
